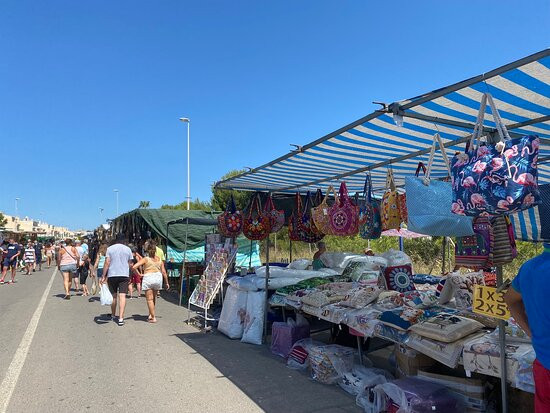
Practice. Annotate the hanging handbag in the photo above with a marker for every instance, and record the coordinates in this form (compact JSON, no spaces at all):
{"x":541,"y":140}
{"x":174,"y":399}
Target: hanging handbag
{"x":534,"y":224}
{"x":429,"y":202}
{"x":369,"y":214}
{"x":293,"y":233}
{"x":320,"y":213}
{"x":476,"y":251}
{"x":318,"y":198}
{"x":276,"y":217}
{"x":230,"y":222}
{"x":307,"y":231}
{"x":257,"y":225}
{"x":391,"y":215}
{"x":504,"y":250}
{"x":344,"y":214}
{"x":495,"y":179}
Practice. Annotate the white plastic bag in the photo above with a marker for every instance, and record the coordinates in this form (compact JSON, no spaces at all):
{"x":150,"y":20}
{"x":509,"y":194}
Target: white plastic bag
{"x":359,"y":378}
{"x":396,"y":258}
{"x":233,"y":313}
{"x":105,"y":297}
{"x":243,"y":283}
{"x":254,"y":321}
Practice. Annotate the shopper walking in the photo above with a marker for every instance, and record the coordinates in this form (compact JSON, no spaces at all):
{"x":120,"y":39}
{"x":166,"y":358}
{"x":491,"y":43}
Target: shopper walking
{"x":136,"y":275}
{"x":67,"y":262}
{"x":153,"y":274}
{"x":528,"y":303}
{"x":99,"y":263}
{"x":11,"y":253}
{"x":38,"y":247}
{"x":29,"y":257}
{"x":49,"y":250}
{"x":116,"y":273}
{"x":76,"y":276}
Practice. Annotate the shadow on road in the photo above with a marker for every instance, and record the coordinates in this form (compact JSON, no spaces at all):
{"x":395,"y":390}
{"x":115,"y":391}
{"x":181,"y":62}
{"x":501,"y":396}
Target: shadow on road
{"x":264,"y":378}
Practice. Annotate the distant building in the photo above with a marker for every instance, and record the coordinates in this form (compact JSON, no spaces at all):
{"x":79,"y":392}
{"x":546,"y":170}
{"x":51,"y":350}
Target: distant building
{"x":25,"y":227}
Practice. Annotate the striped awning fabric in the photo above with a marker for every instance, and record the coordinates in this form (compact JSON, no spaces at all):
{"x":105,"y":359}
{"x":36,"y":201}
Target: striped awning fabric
{"x":521,"y":91}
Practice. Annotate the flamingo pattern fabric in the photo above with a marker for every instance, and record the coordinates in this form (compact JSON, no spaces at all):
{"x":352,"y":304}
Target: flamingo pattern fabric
{"x":486,"y":181}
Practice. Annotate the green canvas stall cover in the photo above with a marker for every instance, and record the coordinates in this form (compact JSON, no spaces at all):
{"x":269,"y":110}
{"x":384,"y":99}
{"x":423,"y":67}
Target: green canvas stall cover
{"x":201,"y":223}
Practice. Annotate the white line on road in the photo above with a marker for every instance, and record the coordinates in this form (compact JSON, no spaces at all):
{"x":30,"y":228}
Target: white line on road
{"x":16,"y":365}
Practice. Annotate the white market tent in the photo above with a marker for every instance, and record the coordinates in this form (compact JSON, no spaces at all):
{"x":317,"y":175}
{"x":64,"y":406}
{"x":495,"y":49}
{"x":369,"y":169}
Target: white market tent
{"x":521,"y":91}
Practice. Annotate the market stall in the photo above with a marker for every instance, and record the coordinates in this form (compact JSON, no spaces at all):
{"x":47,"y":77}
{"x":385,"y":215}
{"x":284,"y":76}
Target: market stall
{"x":497,"y":126}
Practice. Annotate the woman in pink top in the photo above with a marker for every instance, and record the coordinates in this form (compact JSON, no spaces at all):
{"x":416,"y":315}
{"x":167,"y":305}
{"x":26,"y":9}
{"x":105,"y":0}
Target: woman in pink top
{"x":67,"y":263}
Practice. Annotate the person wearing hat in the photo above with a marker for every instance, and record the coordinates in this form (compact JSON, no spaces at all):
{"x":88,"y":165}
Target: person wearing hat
{"x":527,"y":300}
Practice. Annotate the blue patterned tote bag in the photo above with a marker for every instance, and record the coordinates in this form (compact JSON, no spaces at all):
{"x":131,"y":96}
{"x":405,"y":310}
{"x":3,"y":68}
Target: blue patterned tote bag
{"x":495,"y":179}
{"x":370,"y":222}
{"x":429,"y":202}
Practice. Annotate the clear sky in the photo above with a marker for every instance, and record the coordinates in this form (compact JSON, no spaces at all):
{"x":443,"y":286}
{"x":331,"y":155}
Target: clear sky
{"x":91,"y":91}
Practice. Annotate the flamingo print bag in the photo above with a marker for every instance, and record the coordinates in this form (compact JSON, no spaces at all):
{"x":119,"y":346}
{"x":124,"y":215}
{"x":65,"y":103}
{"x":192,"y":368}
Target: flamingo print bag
{"x":495,"y":179}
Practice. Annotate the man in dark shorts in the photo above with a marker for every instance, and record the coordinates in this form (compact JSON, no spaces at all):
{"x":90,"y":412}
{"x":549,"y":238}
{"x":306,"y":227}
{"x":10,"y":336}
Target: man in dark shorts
{"x":38,"y":247}
{"x":116,"y":273}
{"x":11,"y":253}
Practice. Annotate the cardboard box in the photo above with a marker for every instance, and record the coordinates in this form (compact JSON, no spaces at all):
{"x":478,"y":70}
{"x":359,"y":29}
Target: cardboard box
{"x":409,"y":361}
{"x":471,"y":391}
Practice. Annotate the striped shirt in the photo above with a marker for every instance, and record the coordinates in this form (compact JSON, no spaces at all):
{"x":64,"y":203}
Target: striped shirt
{"x":29,"y":254}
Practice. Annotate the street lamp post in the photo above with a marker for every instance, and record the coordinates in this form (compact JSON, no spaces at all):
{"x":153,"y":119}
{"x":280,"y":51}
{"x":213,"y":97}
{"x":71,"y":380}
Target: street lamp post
{"x":116,"y":194}
{"x":17,"y":207}
{"x":188,"y":121}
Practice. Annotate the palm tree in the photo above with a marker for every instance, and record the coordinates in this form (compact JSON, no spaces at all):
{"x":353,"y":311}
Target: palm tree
{"x":144,"y":204}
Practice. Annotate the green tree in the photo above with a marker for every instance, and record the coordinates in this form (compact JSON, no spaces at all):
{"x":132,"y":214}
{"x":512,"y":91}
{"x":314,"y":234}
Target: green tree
{"x":144,"y":204}
{"x":196,"y":205}
{"x":221,"y":197}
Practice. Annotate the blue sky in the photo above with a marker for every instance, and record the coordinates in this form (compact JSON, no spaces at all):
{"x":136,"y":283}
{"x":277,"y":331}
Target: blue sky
{"x":91,"y":91}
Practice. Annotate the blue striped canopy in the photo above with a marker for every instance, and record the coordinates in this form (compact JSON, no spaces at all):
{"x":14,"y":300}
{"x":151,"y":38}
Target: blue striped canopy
{"x":521,"y":91}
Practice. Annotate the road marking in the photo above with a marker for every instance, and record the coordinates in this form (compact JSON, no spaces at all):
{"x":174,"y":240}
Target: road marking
{"x":16,"y":365}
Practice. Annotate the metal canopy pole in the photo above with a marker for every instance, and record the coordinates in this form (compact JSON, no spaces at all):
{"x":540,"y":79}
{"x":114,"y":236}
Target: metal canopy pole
{"x":183,"y":267}
{"x":502,"y":343}
{"x":266,"y":286}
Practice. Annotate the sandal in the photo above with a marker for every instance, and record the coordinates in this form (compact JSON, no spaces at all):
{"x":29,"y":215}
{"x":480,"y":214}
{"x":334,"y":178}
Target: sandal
{"x":67,"y":297}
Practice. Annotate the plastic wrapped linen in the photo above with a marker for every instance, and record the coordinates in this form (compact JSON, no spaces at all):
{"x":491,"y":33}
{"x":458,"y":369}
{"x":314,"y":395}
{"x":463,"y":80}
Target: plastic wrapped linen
{"x":254,"y":318}
{"x":396,"y":258}
{"x":298,"y":358}
{"x":361,"y":377}
{"x":413,"y":395}
{"x":233,"y":313}
{"x":337,"y":259}
{"x":329,"y":363}
{"x":361,"y":297}
{"x":242,"y":283}
{"x":301,"y":264}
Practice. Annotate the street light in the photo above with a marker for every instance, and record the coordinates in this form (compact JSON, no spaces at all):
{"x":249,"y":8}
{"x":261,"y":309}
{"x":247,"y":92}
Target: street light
{"x":116,"y":193}
{"x":188,"y":121}
{"x":17,"y":206}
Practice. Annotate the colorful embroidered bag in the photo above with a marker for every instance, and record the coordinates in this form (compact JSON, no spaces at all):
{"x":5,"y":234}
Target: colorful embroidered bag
{"x":320,"y":213}
{"x":369,"y":214}
{"x":344,"y":215}
{"x":504,"y":250}
{"x":230,"y":223}
{"x":276,"y":217}
{"x":391,"y":215}
{"x":476,"y":251}
{"x":293,"y":233}
{"x":257,"y":225}
{"x":307,"y":231}
{"x":495,"y":179}
{"x":429,"y":202}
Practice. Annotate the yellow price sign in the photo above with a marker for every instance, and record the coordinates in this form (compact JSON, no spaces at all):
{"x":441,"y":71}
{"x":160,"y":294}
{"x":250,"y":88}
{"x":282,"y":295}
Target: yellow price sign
{"x":488,"y":301}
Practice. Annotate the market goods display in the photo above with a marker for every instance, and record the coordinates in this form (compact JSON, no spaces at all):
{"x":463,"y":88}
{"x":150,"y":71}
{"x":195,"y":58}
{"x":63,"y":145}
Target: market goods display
{"x":276,"y":217}
{"x":230,"y":223}
{"x":462,"y":286}
{"x":284,"y":335}
{"x":257,"y":224}
{"x":254,"y":318}
{"x":320,"y":213}
{"x":504,"y":248}
{"x":362,"y":296}
{"x":390,"y":210}
{"x":298,"y":358}
{"x":307,"y":231}
{"x":361,"y":378}
{"x":446,"y":327}
{"x":476,"y":251}
{"x":399,"y":278}
{"x":370,"y":221}
{"x":429,"y":202}
{"x":344,"y":214}
{"x":495,"y":179}
{"x":330,"y":362}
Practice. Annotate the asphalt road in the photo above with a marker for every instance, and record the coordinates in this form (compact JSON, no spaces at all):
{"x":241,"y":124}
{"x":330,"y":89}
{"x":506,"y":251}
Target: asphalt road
{"x":62,"y":356}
